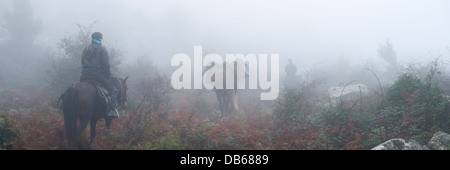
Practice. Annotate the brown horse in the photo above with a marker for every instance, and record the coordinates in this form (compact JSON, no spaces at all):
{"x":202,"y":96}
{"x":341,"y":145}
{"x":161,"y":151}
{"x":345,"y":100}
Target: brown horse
{"x":80,"y":101}
{"x":227,"y":97}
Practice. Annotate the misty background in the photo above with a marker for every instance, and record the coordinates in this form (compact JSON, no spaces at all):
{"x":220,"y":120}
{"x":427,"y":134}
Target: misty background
{"x":317,"y":35}
{"x":311,"y":32}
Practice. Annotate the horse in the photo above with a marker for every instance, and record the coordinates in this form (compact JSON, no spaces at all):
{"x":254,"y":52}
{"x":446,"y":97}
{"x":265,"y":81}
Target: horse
{"x":227,"y":97}
{"x":80,"y":101}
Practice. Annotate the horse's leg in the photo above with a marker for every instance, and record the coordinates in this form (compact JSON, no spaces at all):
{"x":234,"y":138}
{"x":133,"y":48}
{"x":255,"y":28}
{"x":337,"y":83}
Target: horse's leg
{"x":83,"y":124}
{"x":93,"y":131}
{"x":234,"y":100}
{"x":220,"y":99}
{"x":108,"y":121}
{"x":226,"y":100}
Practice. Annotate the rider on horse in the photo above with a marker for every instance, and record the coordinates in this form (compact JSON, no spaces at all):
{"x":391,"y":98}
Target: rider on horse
{"x":95,"y":63}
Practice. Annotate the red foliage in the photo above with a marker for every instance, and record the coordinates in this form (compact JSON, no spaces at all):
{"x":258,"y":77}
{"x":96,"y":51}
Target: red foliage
{"x":354,"y":144}
{"x":188,"y":124}
{"x":41,"y":129}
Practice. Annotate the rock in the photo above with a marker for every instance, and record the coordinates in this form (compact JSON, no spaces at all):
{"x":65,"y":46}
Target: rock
{"x":439,"y":141}
{"x":13,"y":111}
{"x":2,"y":121}
{"x":335,"y":92}
{"x":400,"y":144}
{"x":349,"y":93}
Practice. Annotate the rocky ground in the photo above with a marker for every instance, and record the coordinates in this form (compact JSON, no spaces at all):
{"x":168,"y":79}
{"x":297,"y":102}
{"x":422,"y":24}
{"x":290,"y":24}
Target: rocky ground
{"x":439,"y":141}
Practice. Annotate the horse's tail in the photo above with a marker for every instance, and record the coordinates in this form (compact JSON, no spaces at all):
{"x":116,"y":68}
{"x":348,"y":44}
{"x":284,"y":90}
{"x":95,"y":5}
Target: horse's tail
{"x":70,"y":108}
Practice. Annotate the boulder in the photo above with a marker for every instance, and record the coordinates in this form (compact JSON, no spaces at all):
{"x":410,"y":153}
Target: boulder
{"x":347,"y":93}
{"x":335,"y":92}
{"x":400,"y":144}
{"x":439,"y":141}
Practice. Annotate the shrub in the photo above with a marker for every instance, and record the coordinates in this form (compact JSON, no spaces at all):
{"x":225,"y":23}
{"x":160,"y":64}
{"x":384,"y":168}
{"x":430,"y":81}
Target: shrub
{"x":414,"y":106}
{"x":294,"y":122}
{"x":169,"y":142}
{"x":42,"y":128}
{"x":294,"y":106}
{"x":7,"y":132}
{"x":156,"y":91}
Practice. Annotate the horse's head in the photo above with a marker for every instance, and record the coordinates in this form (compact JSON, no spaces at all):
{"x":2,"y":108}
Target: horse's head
{"x":122,"y":96}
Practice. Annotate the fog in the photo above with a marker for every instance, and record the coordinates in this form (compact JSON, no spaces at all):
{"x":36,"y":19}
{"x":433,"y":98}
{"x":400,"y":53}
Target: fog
{"x":362,"y":73}
{"x":311,"y":32}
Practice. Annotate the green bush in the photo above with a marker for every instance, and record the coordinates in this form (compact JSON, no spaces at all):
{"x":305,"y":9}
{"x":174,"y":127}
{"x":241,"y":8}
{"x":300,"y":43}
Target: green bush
{"x":169,"y":142}
{"x":414,"y":106}
{"x":7,"y":133}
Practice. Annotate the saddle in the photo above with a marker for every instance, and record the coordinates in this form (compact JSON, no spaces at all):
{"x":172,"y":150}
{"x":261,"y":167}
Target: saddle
{"x":102,"y":94}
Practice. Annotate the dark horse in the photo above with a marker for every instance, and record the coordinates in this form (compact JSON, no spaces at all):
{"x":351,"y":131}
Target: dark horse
{"x":81,"y":102}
